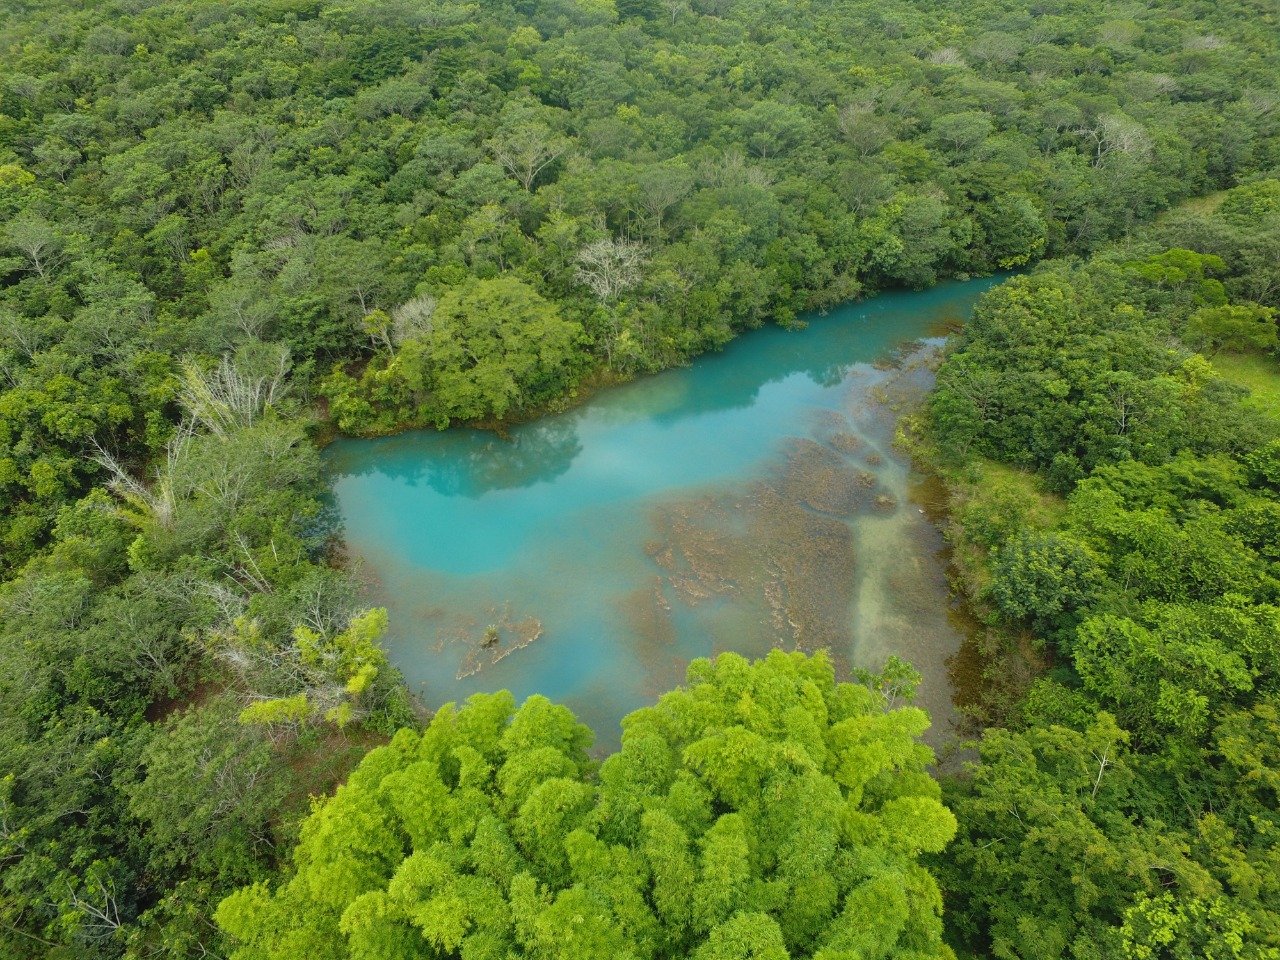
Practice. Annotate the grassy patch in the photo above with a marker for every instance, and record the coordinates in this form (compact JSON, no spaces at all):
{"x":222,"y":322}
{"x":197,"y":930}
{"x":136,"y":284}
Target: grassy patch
{"x":1044,"y":508}
{"x":1260,"y":374}
{"x":990,"y":502}
{"x":1202,"y":205}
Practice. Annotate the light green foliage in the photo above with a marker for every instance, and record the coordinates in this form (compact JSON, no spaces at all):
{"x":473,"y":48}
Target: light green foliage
{"x":486,"y":799}
{"x":336,"y":670}
{"x":282,"y":710}
{"x":1251,"y":203}
{"x":995,"y":502}
{"x":763,"y":811}
{"x":1160,"y":927}
{"x":802,"y":795}
{"x":1257,"y":373}
{"x":1239,"y":327}
{"x":1171,"y":665}
{"x":1184,"y":270}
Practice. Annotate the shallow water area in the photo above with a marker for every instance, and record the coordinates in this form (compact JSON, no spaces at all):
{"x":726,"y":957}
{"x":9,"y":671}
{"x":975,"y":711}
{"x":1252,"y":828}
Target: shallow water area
{"x":751,"y":500}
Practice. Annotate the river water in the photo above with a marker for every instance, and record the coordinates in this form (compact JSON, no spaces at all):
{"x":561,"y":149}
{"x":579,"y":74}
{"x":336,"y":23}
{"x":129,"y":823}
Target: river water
{"x":751,"y":500}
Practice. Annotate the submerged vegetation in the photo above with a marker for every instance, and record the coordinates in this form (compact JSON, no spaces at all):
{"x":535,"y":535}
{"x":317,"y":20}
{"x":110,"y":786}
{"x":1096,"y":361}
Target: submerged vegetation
{"x":224,"y":223}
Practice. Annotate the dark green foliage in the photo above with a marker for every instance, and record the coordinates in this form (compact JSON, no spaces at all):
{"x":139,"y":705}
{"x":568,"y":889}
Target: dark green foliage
{"x":178,"y":179}
{"x":1048,"y":857}
{"x":1130,"y":811}
{"x":1043,"y":576}
{"x":1074,"y":367}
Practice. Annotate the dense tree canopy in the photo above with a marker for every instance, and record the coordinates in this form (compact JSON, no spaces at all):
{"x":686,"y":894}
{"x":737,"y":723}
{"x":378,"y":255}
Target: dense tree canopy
{"x":764,"y":810}
{"x":226,"y":228}
{"x":178,"y":178}
{"x":485,"y":348}
{"x":1128,"y":806}
{"x":1073,"y":367}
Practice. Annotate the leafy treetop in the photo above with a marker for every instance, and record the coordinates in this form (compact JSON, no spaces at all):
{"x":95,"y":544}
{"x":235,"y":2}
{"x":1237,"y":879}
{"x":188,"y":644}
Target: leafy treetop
{"x":762,"y":811}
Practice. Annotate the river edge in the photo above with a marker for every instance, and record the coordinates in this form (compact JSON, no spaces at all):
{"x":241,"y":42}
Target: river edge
{"x":895,"y":408}
{"x":932,"y":494}
{"x":598,"y":379}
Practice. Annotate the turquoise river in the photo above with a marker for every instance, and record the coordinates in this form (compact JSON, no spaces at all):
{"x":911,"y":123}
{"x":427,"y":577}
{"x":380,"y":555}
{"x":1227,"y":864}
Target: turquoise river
{"x":751,"y":500}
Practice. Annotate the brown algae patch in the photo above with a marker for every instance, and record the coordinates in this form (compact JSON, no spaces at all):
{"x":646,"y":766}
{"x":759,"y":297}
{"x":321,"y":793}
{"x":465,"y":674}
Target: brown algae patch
{"x":822,"y":479}
{"x":811,"y":560}
{"x":698,"y":549}
{"x":846,"y":443}
{"x":827,"y":422}
{"x":783,"y":550}
{"x":834,"y":429}
{"x":647,"y":614}
{"x":502,"y":636}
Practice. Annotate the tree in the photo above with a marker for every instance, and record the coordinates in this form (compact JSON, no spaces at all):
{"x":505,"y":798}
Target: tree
{"x":862,"y":129}
{"x":1042,"y":576}
{"x":911,"y":238}
{"x":325,"y":675}
{"x":770,"y":128}
{"x":1171,"y":666}
{"x":38,"y":242}
{"x":661,"y":188}
{"x":1114,"y":133}
{"x":1181,"y":269}
{"x":1052,"y":850}
{"x":412,"y":319}
{"x":962,"y":132}
{"x":764,"y":810}
{"x":208,"y":794}
{"x":1016,"y":231}
{"x":239,"y":391}
{"x":491,"y":346}
{"x":177,"y":185}
{"x":1236,"y":327}
{"x":675,"y":8}
{"x":526,"y":149}
{"x":1042,"y":379}
{"x":610,"y":267}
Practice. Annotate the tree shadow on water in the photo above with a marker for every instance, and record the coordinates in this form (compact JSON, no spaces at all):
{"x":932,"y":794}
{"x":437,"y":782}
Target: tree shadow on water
{"x":464,"y":462}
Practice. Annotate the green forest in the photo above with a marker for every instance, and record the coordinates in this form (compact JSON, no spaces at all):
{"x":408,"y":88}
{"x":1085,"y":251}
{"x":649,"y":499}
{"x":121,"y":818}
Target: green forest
{"x":230,"y":231}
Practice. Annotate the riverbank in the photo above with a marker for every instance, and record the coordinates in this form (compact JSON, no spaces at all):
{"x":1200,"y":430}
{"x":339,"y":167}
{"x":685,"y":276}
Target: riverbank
{"x":749,"y":500}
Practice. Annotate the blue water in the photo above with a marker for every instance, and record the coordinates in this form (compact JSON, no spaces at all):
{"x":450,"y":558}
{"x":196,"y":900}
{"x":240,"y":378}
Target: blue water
{"x":752,"y":499}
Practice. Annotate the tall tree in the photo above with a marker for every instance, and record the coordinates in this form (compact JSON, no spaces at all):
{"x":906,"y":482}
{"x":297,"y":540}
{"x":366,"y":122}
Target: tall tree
{"x":765,"y":810}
